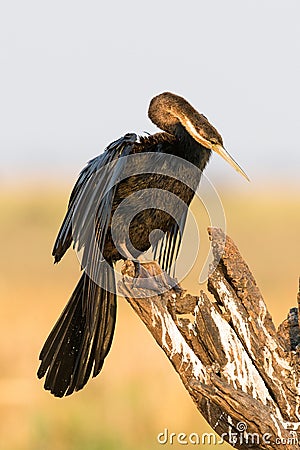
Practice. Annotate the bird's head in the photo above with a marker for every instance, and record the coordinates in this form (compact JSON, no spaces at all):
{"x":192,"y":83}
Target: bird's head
{"x":166,"y":110}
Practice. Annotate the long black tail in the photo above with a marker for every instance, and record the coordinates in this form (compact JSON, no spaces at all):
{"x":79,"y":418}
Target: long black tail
{"x":82,"y":336}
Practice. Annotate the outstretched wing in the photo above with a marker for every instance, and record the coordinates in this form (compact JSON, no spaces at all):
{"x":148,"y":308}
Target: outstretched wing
{"x":92,"y":195}
{"x":82,"y":336}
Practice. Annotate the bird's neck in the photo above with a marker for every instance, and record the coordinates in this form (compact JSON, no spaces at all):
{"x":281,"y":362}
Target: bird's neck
{"x":190,"y":149}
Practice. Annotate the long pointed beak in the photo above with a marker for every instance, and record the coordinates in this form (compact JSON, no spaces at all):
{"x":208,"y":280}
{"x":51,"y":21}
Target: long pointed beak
{"x":222,"y":152}
{"x":216,"y":147}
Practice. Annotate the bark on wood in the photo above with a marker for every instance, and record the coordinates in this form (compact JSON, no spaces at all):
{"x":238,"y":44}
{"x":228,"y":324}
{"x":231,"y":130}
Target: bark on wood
{"x":243,"y":376}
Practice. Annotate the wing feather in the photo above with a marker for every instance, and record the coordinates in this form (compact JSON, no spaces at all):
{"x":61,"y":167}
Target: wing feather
{"x":85,"y":194}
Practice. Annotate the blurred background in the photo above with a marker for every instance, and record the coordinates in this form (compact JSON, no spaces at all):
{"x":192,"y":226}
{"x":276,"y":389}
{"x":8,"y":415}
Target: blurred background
{"x":77,"y":75}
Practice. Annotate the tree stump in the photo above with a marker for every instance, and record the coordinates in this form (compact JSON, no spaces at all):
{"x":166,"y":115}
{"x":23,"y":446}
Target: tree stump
{"x":242,"y":375}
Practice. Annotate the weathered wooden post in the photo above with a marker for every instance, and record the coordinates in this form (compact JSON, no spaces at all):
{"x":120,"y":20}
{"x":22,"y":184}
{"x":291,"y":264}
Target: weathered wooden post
{"x":242,"y":375}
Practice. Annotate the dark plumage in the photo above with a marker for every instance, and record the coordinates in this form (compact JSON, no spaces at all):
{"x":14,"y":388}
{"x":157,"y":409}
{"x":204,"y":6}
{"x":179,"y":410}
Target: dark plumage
{"x":82,"y":336}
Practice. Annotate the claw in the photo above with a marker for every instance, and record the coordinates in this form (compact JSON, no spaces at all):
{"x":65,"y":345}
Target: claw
{"x":148,"y":277}
{"x":137,"y":267}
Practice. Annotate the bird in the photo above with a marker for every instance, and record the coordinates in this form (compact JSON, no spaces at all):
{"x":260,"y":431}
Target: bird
{"x":81,"y":338}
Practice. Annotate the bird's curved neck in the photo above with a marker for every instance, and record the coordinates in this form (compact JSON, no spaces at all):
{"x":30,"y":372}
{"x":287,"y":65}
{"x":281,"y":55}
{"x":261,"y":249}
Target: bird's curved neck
{"x":189,"y":149}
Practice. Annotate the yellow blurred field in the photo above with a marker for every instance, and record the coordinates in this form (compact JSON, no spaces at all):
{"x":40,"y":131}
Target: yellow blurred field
{"x":138,"y":394}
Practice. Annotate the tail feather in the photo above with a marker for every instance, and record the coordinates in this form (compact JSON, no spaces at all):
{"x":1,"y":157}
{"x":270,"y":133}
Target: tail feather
{"x":77,"y":343}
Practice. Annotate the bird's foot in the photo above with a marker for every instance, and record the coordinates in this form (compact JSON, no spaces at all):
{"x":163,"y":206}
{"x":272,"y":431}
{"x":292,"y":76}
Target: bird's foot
{"x":148,"y":278}
{"x":138,"y":269}
{"x":133,"y":268}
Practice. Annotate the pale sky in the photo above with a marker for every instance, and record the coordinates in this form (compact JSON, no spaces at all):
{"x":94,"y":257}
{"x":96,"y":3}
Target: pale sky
{"x":76,"y":75}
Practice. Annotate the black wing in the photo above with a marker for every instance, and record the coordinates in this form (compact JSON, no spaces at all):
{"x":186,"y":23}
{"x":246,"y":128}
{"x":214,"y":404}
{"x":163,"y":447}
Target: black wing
{"x":84,"y":199}
{"x":82,"y":336}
